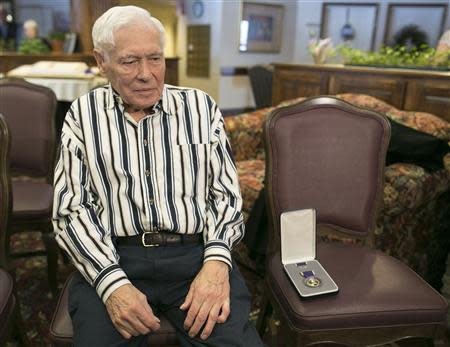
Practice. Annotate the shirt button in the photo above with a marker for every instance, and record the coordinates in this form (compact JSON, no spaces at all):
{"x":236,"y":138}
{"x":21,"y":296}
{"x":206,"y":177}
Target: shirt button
{"x":147,"y":172}
{"x":145,"y":142}
{"x":151,"y":201}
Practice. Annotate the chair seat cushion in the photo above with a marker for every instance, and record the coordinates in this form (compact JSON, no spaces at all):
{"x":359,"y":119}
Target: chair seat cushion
{"x":32,"y":200}
{"x":7,"y":300}
{"x":61,"y":332}
{"x":374,"y":290}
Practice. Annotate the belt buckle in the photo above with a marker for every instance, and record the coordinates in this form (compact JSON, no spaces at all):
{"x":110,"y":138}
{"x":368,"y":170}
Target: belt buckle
{"x":148,"y":244}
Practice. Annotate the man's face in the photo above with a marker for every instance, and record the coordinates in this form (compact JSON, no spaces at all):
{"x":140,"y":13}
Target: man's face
{"x":136,"y":66}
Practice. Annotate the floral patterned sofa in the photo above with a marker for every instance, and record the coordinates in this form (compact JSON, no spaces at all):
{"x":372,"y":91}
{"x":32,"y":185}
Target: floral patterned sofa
{"x":414,"y":221}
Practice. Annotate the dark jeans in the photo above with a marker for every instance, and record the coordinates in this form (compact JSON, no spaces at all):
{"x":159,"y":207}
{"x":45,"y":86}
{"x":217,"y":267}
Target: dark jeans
{"x":164,"y":275}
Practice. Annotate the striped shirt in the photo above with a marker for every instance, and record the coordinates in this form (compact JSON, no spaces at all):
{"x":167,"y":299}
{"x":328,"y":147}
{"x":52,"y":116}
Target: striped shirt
{"x":173,"y":171}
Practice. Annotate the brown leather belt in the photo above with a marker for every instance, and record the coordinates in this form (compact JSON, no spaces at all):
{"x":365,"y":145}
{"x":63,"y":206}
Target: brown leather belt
{"x":158,"y":238}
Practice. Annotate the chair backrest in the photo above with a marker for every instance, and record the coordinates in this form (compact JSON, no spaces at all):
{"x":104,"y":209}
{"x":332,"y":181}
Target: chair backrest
{"x":5,"y":187}
{"x":30,"y":113}
{"x":327,"y":154}
{"x":261,"y":77}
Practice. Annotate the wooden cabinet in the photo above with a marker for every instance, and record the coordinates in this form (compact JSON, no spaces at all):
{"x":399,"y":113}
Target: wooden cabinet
{"x":287,"y":85}
{"x":384,"y":88}
{"x":413,"y":90}
{"x":429,"y":96}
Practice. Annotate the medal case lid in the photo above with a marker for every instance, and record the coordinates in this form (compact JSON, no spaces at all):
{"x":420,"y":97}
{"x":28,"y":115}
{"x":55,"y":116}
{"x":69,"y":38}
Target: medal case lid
{"x":298,"y":236}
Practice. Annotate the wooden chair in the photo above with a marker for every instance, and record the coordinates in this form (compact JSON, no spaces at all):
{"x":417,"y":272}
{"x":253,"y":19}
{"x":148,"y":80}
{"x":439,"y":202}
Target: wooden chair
{"x":29,"y":111}
{"x":261,"y":77}
{"x":10,"y":322}
{"x":329,"y":155}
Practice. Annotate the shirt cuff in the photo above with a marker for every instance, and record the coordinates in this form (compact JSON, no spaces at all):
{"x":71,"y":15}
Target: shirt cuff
{"x":107,"y":281}
{"x":218,"y":250}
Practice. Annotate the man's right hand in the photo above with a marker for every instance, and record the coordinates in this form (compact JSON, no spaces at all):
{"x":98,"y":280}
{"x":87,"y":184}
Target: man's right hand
{"x":130,"y":312}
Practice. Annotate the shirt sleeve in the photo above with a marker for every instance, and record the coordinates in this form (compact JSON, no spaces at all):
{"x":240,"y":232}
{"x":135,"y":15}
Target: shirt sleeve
{"x":225,"y":223}
{"x":78,"y":229}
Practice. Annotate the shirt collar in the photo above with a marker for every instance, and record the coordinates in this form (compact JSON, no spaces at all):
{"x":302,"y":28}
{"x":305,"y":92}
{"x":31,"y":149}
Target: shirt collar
{"x":114,"y":98}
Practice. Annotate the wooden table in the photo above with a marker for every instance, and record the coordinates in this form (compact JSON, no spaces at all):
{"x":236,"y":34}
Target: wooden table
{"x":11,"y":60}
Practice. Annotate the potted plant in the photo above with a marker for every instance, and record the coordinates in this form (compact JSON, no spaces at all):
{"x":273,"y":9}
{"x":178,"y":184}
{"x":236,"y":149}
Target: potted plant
{"x":33,"y":46}
{"x":57,"y":41}
{"x":416,"y":58}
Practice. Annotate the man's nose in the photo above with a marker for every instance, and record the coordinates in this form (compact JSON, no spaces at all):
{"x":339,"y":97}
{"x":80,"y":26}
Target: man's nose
{"x":145,"y":70}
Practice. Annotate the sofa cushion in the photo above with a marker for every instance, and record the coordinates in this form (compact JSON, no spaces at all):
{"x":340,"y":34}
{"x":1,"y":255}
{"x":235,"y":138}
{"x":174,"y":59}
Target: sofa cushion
{"x":245,"y":134}
{"x":251,"y":181}
{"x":408,"y":186}
{"x":425,"y":122}
{"x":367,"y":101}
{"x":422,"y":121}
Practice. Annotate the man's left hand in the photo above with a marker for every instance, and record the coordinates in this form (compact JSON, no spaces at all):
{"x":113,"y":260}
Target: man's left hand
{"x":208,"y":299}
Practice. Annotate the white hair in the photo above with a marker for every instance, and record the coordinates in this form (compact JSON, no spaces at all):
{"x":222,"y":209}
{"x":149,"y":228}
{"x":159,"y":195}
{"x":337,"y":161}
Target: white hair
{"x":30,"y":23}
{"x":117,"y":17}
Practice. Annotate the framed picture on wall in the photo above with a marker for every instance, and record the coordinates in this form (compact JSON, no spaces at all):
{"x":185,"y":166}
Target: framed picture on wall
{"x":405,"y":24}
{"x":352,"y":23}
{"x":261,"y":27}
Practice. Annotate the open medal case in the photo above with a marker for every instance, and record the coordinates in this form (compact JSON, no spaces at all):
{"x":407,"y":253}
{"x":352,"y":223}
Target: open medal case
{"x":298,"y":254}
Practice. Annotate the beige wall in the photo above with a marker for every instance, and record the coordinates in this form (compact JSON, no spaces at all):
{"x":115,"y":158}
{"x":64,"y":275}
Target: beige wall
{"x":224,"y":18}
{"x":166,"y":13}
{"x":235,"y":91}
{"x":213,"y":17}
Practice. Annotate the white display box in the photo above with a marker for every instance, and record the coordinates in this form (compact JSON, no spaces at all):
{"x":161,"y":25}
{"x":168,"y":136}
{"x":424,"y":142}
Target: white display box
{"x":298,"y":254}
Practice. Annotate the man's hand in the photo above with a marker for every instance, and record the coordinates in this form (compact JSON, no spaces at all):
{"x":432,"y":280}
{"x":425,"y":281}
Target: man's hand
{"x":208,"y":299}
{"x":130,"y":312}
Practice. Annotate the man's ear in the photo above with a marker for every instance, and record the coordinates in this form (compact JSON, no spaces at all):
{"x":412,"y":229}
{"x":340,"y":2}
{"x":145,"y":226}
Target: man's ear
{"x":100,"y":59}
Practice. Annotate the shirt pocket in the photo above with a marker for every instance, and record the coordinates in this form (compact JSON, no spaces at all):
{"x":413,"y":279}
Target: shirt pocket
{"x":192,"y":163}
{"x":203,"y":139}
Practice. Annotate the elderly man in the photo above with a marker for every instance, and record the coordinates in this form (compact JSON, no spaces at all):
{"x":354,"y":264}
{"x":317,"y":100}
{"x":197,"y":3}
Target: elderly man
{"x":147,"y":202}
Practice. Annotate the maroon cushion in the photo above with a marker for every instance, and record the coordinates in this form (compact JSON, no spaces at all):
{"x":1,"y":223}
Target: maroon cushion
{"x":61,"y":332}
{"x":7,"y":302}
{"x":32,"y":200}
{"x":374,"y":290}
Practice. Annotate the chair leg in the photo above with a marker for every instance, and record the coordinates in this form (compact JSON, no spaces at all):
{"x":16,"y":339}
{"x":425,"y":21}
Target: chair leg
{"x":265,"y":311}
{"x":51,"y":248}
